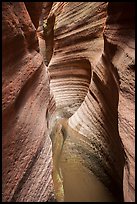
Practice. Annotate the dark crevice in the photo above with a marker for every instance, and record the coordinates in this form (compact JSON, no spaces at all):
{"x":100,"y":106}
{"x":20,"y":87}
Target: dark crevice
{"x":48,"y":31}
{"x":93,"y":95}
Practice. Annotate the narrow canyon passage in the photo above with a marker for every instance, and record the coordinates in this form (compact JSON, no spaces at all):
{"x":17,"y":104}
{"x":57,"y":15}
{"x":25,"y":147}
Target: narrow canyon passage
{"x":82,"y":168}
{"x":68,"y":102}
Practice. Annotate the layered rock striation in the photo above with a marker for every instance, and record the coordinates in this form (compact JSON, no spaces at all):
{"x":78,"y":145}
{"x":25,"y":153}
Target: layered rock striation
{"x":89,"y":49}
{"x":120,"y":49}
{"x":26,"y":147}
{"x":94,"y":38}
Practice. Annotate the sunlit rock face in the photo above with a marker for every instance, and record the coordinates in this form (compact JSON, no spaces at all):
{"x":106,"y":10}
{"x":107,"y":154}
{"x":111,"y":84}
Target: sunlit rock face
{"x":92,"y":79}
{"x":26,"y":147}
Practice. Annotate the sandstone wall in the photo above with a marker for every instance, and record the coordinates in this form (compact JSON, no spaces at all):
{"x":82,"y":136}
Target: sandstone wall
{"x":26,"y":147}
{"x":101,"y":35}
{"x":120,"y":49}
{"x":89,"y":49}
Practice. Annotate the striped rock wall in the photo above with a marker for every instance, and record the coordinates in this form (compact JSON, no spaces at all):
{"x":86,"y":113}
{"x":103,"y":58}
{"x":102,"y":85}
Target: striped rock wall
{"x":120,"y":35}
{"x":73,"y":42}
{"x":90,"y":56}
{"x":92,"y":79}
{"x":26,"y":146}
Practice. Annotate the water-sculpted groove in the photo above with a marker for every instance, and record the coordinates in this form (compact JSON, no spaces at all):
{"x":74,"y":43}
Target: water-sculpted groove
{"x":83,"y":99}
{"x":95,"y":119}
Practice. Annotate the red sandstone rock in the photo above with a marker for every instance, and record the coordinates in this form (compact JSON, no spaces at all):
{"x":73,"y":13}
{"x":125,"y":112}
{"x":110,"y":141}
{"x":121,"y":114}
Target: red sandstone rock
{"x":91,"y":64}
{"x":105,"y":38}
{"x":26,"y":147}
{"x":120,"y":48}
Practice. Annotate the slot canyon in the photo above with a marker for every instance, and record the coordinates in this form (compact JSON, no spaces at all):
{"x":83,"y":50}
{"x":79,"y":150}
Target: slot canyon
{"x":68,"y":101}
